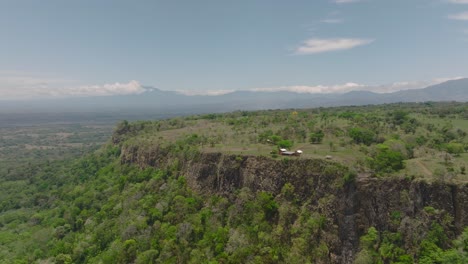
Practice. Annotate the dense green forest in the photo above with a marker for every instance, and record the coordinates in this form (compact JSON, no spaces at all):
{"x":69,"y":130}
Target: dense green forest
{"x":136,"y":199}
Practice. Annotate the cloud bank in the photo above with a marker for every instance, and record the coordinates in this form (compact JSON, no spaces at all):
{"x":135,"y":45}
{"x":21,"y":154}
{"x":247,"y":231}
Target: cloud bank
{"x":205,"y":92}
{"x":340,"y":88}
{"x":315,"y":89}
{"x":132,"y":87}
{"x":348,"y":87}
{"x":319,"y":45}
{"x":22,"y":86}
{"x":13,"y":86}
{"x":332,"y":89}
{"x":460,"y":16}
{"x":458,"y":1}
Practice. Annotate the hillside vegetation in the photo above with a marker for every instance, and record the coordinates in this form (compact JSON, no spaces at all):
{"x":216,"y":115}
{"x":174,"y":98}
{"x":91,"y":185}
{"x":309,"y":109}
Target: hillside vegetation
{"x":416,"y":140}
{"x":213,"y":189}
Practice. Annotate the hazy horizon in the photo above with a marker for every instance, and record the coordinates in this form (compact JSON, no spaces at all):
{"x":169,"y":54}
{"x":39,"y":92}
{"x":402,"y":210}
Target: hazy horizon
{"x":90,"y":48}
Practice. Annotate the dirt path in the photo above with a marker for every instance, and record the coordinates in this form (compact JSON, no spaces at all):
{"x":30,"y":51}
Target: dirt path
{"x":424,"y":168}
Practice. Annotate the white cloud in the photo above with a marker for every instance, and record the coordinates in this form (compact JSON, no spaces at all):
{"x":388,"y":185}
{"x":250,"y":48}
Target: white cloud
{"x":26,"y":86}
{"x":18,"y":86}
{"x":441,"y":80}
{"x":458,"y":1}
{"x":409,"y":85}
{"x":340,"y":88}
{"x":318,"y":45}
{"x":399,"y":86}
{"x":132,"y":87}
{"x":351,"y":86}
{"x":334,"y":89}
{"x":459,"y":16}
{"x":206,"y":92}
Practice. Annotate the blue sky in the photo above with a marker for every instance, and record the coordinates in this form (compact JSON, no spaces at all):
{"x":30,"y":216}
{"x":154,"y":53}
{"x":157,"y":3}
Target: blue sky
{"x":88,"y":47}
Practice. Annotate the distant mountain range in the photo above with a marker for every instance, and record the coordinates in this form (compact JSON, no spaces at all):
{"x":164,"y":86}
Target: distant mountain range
{"x":175,"y":103}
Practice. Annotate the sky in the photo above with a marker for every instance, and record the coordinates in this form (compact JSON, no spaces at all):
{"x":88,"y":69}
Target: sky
{"x":84,"y":48}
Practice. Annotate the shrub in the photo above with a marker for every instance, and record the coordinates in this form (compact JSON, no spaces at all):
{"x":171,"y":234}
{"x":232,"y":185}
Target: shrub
{"x":349,"y":177}
{"x":316,"y":137}
{"x":399,"y":117}
{"x":285,"y":144}
{"x":362,"y":135}
{"x":268,"y":204}
{"x":387,"y":160}
{"x":455,"y":148}
{"x":430,"y":210}
{"x":63,"y":259}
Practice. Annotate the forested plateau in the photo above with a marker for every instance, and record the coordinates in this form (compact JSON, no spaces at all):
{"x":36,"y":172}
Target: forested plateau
{"x":374,"y":184}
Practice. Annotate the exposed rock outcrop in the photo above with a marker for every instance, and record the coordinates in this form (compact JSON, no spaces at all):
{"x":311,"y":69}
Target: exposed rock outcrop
{"x":351,"y":206}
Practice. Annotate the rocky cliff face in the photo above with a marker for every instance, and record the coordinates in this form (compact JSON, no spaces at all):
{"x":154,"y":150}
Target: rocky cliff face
{"x":351,"y":206}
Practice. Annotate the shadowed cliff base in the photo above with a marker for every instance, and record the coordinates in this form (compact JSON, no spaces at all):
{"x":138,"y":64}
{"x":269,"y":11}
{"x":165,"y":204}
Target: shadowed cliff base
{"x":350,"y":204}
